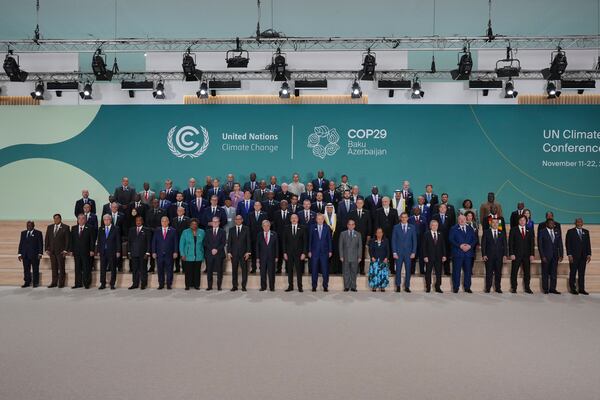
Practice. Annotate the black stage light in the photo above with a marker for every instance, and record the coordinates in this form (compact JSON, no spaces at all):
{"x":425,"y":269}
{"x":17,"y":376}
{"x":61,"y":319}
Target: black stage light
{"x":278,"y":67}
{"x":558,"y":66}
{"x":284,"y":92}
{"x":509,"y":90}
{"x":368,"y":67}
{"x":237,"y":58}
{"x":99,"y":67}
{"x":38,"y":93}
{"x":159,"y":93}
{"x":416,"y":91}
{"x":553,"y":93}
{"x":465,"y":65}
{"x":12,"y":69}
{"x":86,"y":93}
{"x":188,"y":64}
{"x":202,"y":93}
{"x":508,"y":67}
{"x":356,"y":93}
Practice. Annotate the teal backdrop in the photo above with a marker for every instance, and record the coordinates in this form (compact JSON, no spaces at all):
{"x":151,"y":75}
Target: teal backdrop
{"x":464,"y":150}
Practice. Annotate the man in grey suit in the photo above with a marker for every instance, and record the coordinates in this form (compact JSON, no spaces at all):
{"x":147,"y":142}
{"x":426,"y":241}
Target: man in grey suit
{"x":350,"y":254}
{"x":147,"y":195}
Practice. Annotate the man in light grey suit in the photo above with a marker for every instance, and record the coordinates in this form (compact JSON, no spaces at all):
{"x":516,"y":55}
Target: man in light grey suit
{"x":350,"y":253}
{"x":147,"y":195}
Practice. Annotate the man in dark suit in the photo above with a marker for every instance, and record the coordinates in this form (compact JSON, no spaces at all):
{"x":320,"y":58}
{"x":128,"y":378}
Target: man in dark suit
{"x":434,"y":255}
{"x":425,"y":212}
{"x":137,"y":208}
{"x":180,"y":223}
{"x":487,"y":221}
{"x":579,"y":252}
{"x":189,"y":193}
{"x":420,"y":226}
{"x":124,"y":195}
{"x":515,"y":215}
{"x":551,"y":250}
{"x":319,"y":204}
{"x":260,"y":194}
{"x":463,"y":240}
{"x":309,"y":194}
{"x":109,"y":250}
{"x":164,"y":251}
{"x":163,"y":202}
{"x":118,"y":220}
{"x":267,"y":250}
{"x":444,"y":228}
{"x":521,"y":249}
{"x":197,"y":205}
{"x":280,"y":220}
{"x":245,"y":207}
{"x":147,"y":195}
{"x":295,"y":248}
{"x":214,"y":252}
{"x":31,"y":248}
{"x":139,"y":246}
{"x":320,"y":184}
{"x":229,"y":184}
{"x":81,"y":245}
{"x":92,"y":223}
{"x":170,"y":191}
{"x":294,"y":206}
{"x":362,"y":218}
{"x":207,"y":186}
{"x":494,"y":251}
{"x":557,"y":225}
{"x":344,"y":207}
{"x":270,"y":205}
{"x":450,"y":210}
{"x":85,"y":199}
{"x":408,"y":196}
{"x":273,"y":186}
{"x":431,"y":199}
{"x":56,"y":244}
{"x":331,"y":195}
{"x":284,"y":193}
{"x":306,"y":216}
{"x":238,"y":251}
{"x":172,"y":212}
{"x":106,"y":208}
{"x":385,"y":218}
{"x":255,"y":220}
{"x":213,"y":210}
{"x":320,"y":250}
{"x":251,"y":185}
{"x":216,"y":190}
{"x":404,"y":248}
{"x":154,"y":217}
{"x":373,"y":202}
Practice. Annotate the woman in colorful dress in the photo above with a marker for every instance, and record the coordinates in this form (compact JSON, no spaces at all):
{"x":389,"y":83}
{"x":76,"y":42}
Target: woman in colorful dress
{"x":379,"y":270}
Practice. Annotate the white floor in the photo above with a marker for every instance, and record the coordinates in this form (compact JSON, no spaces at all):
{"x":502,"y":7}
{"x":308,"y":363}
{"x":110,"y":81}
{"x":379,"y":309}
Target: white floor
{"x":67,"y":344}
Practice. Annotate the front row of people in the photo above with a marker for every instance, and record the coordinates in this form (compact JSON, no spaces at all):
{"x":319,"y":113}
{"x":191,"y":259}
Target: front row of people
{"x":300,"y":243}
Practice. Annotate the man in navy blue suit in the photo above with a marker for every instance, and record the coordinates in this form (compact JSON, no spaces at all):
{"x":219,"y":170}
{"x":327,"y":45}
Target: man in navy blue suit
{"x":267,"y":254}
{"x":170,"y":191}
{"x":216,"y":190}
{"x":31,"y":248}
{"x":245,"y":206}
{"x":213,"y":210}
{"x":163,"y":201}
{"x":404,"y":249}
{"x":164,"y":250}
{"x":214,"y":252}
{"x":85,"y":199}
{"x":320,"y":184}
{"x":344,"y":207}
{"x":172,"y":213}
{"x":424,"y":209}
{"x":109,"y":250}
{"x":550,"y":246}
{"x":463,"y":240}
{"x":420,"y":225}
{"x":190,"y":192}
{"x":319,"y":251}
{"x":197,"y":205}
{"x":92,"y":223}
{"x":494,"y":252}
{"x":306,"y":216}
{"x":579,"y":252}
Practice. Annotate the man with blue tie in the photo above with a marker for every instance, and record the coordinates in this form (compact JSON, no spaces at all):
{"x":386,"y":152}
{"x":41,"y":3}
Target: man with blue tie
{"x":319,"y":251}
{"x":344,"y":207}
{"x":404,"y":249}
{"x":245,"y":207}
{"x":463,"y":240}
{"x":267,"y":253}
{"x":163,"y":202}
{"x":320,"y":184}
{"x":164,"y":251}
{"x":197,"y":205}
{"x":31,"y":247}
{"x":551,"y":250}
{"x":216,"y":190}
{"x":109,"y":250}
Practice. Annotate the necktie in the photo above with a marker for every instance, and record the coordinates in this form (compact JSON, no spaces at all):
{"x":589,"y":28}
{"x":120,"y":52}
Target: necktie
{"x":495,"y":235}
{"x":404,"y":228}
{"x":84,"y":201}
{"x":579,"y":232}
{"x":294,"y":230}
{"x":213,"y":211}
{"x":306,"y":216}
{"x":462,"y":228}
{"x":247,"y":205}
{"x":552,"y":235}
{"x":55,"y":229}
{"x":28,"y":234}
{"x":360,"y":213}
{"x":139,"y":229}
{"x":162,"y":204}
{"x":284,"y":214}
{"x":320,"y":230}
{"x":215,"y":231}
{"x":435,"y":237}
{"x":405,"y":194}
{"x":106,"y":230}
{"x":266,"y":238}
{"x":443,"y":218}
{"x":523,"y":232}
{"x":146,"y":195}
{"x":180,"y":218}
{"x":257,"y":214}
{"x":352,"y":234}
{"x":417,"y":219}
{"x":80,"y":230}
{"x":238,"y":230}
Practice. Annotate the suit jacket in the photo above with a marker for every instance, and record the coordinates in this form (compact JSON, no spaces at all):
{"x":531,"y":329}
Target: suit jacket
{"x":59,"y":242}
{"x":294,"y":209}
{"x":274,"y":188}
{"x":270,"y":206}
{"x":180,"y":226}
{"x":172,"y":212}
{"x":550,"y":249}
{"x":302,"y":217}
{"x":487,"y":222}
{"x":164,"y":204}
{"x":343,"y":211}
{"x":322,"y":186}
{"x":578,"y":247}
{"x":255,"y":224}
{"x":81,"y":245}
{"x":280,"y":195}
{"x":420,"y":226}
{"x":139,"y":245}
{"x":119,"y":223}
{"x":124,"y":196}
{"x":151,"y":196}
{"x":139,"y":211}
{"x":319,"y":247}
{"x":189,"y":196}
{"x":164,"y":247}
{"x":215,"y":242}
{"x":295,"y":245}
{"x":404,"y":243}
{"x":491,"y":248}
{"x":443,"y":227}
{"x":245,"y":211}
{"x":458,"y":237}
{"x":409,"y":200}
{"x":251,"y":186}
{"x":434,"y":250}
{"x":267,"y":252}
{"x":318,"y":208}
{"x":220,"y":193}
{"x":279,"y":222}
{"x":31,"y":246}
{"x":153,"y":217}
{"x":208,"y":214}
{"x":450,"y":212}
{"x":238,"y":245}
{"x":380,"y":220}
{"x":260,"y":195}
{"x":372,"y":204}
{"x":520,"y":246}
{"x":363,"y":224}
{"x":192,"y":250}
{"x":105,"y":210}
{"x":109,"y":246}
{"x":514,"y":219}
{"x":334,"y":198}
{"x":557,"y":227}
{"x":92,"y":222}
{"x":425,"y":213}
{"x":79,"y":206}
{"x":432,"y":201}
{"x":172,"y":194}
{"x":195,"y":211}
{"x":307,"y":196}
{"x":379,"y":251}
{"x":350,"y":246}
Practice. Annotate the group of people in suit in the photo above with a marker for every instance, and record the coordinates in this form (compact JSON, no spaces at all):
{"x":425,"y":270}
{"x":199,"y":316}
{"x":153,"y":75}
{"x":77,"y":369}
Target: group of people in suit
{"x":263,"y":226}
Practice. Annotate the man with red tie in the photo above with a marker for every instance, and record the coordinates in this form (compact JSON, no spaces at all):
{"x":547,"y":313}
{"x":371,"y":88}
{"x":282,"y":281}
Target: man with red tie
{"x":267,"y":251}
{"x":147,"y":195}
{"x":521,"y":248}
{"x":164,"y":251}
{"x":421,"y":226}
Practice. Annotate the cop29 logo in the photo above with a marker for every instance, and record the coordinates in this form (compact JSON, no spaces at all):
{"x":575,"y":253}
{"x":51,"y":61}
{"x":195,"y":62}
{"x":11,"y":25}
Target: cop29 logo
{"x":184,"y":143}
{"x":323,"y":141}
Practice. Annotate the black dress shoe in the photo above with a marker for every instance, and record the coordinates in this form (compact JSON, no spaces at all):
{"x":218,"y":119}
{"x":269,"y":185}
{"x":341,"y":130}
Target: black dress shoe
{"x":468,"y":291}
{"x":143,"y":287}
{"x":447,"y":274}
{"x":219,"y":288}
{"x":262,"y":290}
{"x":573,"y":291}
{"x":52,"y":286}
{"x":61,"y":286}
{"x":486,"y":291}
{"x":325,"y":290}
{"x":160,"y":288}
{"x":454,"y":290}
{"x":373,"y":290}
{"x":75,"y":287}
{"x":197,"y":287}
{"x":169,"y":287}
{"x":272,"y":290}
{"x":253,"y":271}
{"x":439,"y":291}
{"x":86,"y":287}
{"x":243,"y":289}
{"x":383,"y":289}
{"x":528,"y":291}
{"x":513,"y":290}
{"x":397,"y":289}
{"x":407,"y":290}
{"x":35,"y":285}
{"x":112,"y":287}
{"x":102,"y":287}
{"x":554,"y":291}
{"x":187,"y":288}
{"x":25,"y":285}
{"x":583,"y":292}
{"x":546,"y":292}
{"x":314,"y":289}
{"x":353,"y":290}
{"x":289,"y":289}
{"x":208,"y":288}
{"x":233,"y":289}
{"x":499,"y":291}
{"x":428,"y":290}
{"x":346,"y":289}
{"x":300,"y":290}
{"x":132,"y":287}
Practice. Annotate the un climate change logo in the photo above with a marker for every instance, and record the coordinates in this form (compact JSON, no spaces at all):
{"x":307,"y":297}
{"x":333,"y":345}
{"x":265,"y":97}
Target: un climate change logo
{"x":183,"y":146}
{"x":317,"y":139}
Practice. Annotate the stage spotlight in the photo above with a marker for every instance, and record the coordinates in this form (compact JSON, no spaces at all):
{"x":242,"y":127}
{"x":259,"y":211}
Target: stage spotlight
{"x":465,"y":65}
{"x":99,"y":67}
{"x":237,"y":58}
{"x":509,"y":90}
{"x":558,"y":66}
{"x":278,"y":67}
{"x":38,"y":93}
{"x":416,"y":91}
{"x":553,"y":93}
{"x":368,"y":67}
{"x":12,"y":69}
{"x":284,"y":92}
{"x":356,"y":93}
{"x":188,"y":64}
{"x":159,"y":93}
{"x":202,"y":93}
{"x":86,"y":93}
